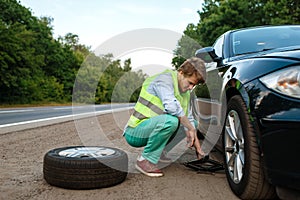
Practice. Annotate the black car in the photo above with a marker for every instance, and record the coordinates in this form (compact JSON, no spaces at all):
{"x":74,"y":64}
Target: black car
{"x":250,"y":108}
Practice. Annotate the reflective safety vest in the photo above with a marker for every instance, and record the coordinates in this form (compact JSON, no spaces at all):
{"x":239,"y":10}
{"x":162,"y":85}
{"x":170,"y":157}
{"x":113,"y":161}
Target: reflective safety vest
{"x":149,"y":105}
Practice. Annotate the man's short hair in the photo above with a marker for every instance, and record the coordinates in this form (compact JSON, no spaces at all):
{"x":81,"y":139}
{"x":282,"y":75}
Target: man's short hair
{"x":192,"y":66}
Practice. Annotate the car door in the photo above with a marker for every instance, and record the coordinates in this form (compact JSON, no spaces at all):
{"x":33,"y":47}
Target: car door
{"x":206,"y":101}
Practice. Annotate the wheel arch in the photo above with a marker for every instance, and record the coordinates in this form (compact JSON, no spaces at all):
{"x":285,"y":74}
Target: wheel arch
{"x":236,"y":87}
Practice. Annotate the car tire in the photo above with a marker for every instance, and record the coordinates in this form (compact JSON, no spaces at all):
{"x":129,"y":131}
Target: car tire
{"x":242,"y":161}
{"x":81,"y":167}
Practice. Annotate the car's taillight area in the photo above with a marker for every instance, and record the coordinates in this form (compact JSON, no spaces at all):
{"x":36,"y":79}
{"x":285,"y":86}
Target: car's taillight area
{"x":285,"y":81}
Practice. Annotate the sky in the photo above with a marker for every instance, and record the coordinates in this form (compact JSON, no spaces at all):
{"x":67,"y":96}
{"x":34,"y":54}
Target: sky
{"x":99,"y":21}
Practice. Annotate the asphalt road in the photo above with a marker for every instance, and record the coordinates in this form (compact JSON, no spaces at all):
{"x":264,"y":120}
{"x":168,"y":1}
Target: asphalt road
{"x":15,"y":119}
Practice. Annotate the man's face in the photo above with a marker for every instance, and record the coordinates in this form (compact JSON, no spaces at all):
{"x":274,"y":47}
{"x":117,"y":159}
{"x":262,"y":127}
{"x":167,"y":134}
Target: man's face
{"x":186,"y":83}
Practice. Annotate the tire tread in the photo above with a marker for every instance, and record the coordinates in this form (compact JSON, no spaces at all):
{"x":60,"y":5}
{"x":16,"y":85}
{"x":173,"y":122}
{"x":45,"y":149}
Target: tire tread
{"x":85,"y":173}
{"x":254,"y":184}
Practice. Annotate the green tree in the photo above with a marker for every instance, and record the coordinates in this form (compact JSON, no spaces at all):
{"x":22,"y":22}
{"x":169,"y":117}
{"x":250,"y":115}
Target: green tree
{"x":121,"y":83}
{"x":281,"y":11}
{"x":103,"y":79}
{"x":189,"y":42}
{"x":35,"y":67}
{"x":219,"y":16}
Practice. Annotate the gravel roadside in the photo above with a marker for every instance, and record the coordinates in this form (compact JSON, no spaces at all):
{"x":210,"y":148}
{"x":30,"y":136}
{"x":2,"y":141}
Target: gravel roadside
{"x":22,"y":164}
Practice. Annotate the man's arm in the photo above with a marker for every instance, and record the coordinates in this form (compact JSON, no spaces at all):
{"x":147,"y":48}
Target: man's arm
{"x":191,"y":134}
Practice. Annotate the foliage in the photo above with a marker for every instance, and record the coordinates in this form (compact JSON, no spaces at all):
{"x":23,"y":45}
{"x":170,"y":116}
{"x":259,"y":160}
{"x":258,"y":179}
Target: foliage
{"x":35,"y":67}
{"x":190,"y":44}
{"x":219,"y":16}
{"x":127,"y":90}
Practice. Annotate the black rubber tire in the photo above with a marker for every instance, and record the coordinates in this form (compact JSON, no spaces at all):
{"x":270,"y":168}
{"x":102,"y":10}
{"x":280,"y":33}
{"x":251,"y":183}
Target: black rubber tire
{"x":85,"y":172}
{"x":253,"y":184}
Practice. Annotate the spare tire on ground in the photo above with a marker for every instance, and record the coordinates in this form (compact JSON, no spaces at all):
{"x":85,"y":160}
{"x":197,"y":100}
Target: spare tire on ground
{"x":81,"y":167}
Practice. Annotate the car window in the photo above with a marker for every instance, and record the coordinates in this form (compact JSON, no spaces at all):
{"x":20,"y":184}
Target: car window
{"x":261,"y":39}
{"x":218,"y":46}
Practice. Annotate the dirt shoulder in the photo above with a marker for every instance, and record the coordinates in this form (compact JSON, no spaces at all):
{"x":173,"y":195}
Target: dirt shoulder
{"x":22,"y":155}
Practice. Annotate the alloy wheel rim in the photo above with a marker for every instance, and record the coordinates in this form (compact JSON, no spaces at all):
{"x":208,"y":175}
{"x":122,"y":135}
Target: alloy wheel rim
{"x":234,"y":146}
{"x":87,"y":152}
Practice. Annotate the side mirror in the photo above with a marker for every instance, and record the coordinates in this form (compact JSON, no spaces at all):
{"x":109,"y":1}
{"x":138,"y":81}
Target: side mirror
{"x":208,"y":55}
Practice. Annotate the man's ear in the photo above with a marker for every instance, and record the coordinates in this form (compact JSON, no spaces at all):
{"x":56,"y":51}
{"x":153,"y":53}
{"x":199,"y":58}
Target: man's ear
{"x":180,"y":72}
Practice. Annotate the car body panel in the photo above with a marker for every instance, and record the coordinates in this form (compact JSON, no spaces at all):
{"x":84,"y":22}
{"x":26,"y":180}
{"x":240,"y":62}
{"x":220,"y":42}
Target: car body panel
{"x":276,"y":117}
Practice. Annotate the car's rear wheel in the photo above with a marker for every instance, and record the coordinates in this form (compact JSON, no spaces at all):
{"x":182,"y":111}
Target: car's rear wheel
{"x":242,"y":159}
{"x":81,"y":167}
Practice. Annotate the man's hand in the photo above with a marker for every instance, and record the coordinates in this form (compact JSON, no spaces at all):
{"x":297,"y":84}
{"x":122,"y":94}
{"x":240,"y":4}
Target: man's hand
{"x":191,"y":135}
{"x":193,"y":141}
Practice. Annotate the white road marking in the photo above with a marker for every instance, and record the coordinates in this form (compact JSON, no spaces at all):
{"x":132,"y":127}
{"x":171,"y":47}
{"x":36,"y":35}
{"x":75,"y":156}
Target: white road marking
{"x":15,"y":111}
{"x":66,"y":116}
{"x":62,"y":108}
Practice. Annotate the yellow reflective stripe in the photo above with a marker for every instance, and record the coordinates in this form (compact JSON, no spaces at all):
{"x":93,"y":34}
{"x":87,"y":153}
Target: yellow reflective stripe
{"x":147,"y":112}
{"x":133,"y":121}
{"x":139,"y":115}
{"x":151,"y":105}
{"x":151,"y":98}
